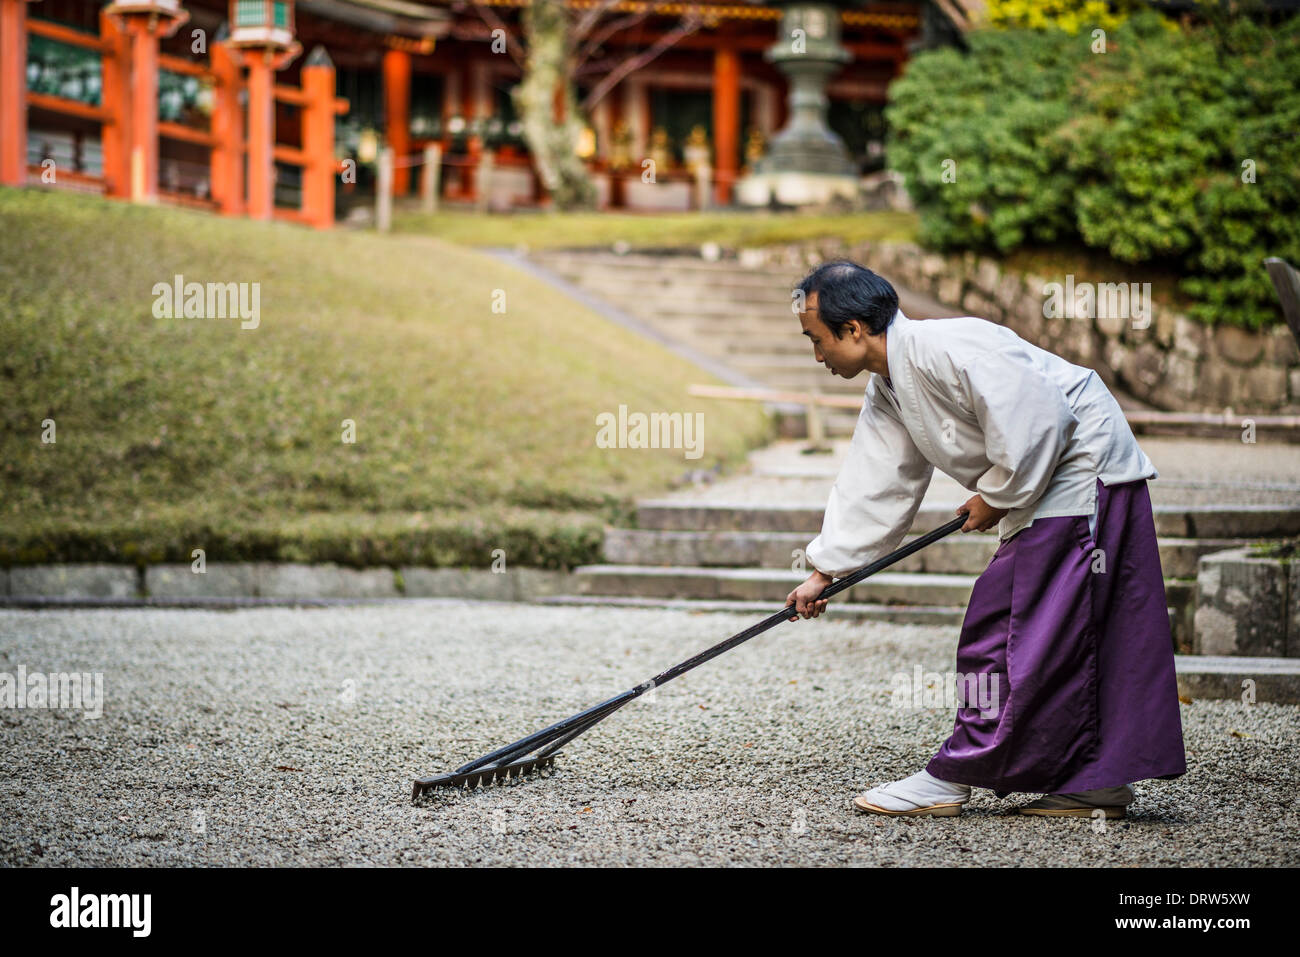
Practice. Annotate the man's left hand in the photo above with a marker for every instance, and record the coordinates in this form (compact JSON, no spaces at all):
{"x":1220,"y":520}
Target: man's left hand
{"x":980,"y":515}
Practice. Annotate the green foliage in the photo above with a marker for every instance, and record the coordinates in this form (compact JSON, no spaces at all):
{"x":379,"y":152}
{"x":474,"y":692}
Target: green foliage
{"x":1145,"y":151}
{"x":1070,"y":16}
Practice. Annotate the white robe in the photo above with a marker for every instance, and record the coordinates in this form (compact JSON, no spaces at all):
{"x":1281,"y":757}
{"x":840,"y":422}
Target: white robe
{"x":1027,"y":430}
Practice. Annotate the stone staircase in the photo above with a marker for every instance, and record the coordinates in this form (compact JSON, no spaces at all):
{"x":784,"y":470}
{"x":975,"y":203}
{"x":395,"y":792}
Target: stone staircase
{"x":747,"y":557}
{"x":737,"y":545}
{"x":730,"y":312}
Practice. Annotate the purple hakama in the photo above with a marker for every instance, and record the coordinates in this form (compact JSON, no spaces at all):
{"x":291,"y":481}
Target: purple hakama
{"x":1077,"y":634}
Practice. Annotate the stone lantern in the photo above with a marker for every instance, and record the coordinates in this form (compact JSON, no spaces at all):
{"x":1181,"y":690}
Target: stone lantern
{"x":806,"y":163}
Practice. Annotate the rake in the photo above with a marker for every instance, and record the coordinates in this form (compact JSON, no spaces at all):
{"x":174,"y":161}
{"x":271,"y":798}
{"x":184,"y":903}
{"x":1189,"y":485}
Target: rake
{"x":538,"y":750}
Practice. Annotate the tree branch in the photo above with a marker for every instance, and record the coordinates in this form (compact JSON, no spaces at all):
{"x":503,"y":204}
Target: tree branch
{"x":686,"y":27}
{"x":514,"y":46}
{"x":590,"y":18}
{"x":604,"y":33}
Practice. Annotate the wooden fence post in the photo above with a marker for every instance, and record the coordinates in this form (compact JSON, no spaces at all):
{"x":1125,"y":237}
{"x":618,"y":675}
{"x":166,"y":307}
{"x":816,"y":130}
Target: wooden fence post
{"x":431,"y":178}
{"x":483,"y":195}
{"x":384,"y":191}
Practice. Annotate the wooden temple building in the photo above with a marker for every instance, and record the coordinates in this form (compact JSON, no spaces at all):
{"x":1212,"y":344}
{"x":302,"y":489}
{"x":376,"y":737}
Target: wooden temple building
{"x":270,"y":108}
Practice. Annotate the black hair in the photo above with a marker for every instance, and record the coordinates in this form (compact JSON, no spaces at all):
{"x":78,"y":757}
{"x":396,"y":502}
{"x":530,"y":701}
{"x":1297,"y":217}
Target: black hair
{"x":847,"y":291}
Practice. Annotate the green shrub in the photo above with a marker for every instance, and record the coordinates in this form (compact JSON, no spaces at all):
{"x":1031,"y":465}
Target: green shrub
{"x":1145,"y":151}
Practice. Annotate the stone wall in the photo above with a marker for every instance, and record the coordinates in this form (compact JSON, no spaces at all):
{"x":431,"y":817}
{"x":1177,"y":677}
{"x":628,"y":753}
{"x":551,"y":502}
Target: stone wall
{"x":1174,"y":363}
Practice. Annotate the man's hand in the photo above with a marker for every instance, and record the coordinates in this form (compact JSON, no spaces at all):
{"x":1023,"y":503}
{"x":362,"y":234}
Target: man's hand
{"x":803,"y":597}
{"x":980,"y":515}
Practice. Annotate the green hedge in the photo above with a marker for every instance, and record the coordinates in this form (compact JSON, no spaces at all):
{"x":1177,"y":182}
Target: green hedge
{"x":1137,"y":151}
{"x":467,"y":539}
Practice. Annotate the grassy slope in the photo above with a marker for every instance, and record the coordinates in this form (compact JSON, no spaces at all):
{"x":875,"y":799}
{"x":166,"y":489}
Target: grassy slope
{"x":474,"y":430}
{"x":731,"y":229}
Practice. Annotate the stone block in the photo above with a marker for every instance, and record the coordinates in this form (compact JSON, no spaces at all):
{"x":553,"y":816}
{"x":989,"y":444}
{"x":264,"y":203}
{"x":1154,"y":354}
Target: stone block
{"x":987,"y":276}
{"x":933,"y":266}
{"x":293,"y":580}
{"x":949,"y":291}
{"x":1241,"y":605}
{"x":1239,"y":346}
{"x":218,"y":580}
{"x":1180,"y":375}
{"x":75,"y":581}
{"x":1264,"y":386}
{"x":475,"y":583}
{"x":1282,"y":348}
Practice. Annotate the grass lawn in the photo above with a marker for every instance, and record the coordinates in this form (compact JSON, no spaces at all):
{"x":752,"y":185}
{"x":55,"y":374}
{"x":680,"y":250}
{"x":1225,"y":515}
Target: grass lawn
{"x":727,"y":228}
{"x":474,"y":429}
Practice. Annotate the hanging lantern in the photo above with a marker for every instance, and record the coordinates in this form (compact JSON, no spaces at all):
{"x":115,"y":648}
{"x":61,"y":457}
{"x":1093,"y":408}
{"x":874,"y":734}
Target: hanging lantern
{"x":170,"y":9}
{"x":367,"y":147}
{"x":263,"y":24}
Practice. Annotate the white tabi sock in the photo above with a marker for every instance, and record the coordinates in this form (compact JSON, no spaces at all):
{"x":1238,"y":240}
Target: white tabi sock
{"x":922,"y":789}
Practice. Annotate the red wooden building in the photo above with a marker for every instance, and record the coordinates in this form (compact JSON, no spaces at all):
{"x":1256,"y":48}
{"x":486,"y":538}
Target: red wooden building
{"x":271,"y":108}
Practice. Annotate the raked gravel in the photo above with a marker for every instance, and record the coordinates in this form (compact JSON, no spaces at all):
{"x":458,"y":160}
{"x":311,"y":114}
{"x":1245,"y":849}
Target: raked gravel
{"x":290,"y":736}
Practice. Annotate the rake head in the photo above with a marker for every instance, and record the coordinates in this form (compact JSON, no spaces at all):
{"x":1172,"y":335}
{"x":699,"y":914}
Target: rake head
{"x":483,"y":776}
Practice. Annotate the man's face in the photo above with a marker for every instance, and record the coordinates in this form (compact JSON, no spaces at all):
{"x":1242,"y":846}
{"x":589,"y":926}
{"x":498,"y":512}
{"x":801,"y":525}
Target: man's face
{"x":846,"y":356}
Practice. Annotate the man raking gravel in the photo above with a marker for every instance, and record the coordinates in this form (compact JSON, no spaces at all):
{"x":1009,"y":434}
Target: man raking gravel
{"x":1069,"y":618}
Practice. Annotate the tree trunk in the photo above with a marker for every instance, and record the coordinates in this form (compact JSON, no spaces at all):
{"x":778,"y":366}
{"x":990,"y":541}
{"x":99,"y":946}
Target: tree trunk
{"x":552,"y":142}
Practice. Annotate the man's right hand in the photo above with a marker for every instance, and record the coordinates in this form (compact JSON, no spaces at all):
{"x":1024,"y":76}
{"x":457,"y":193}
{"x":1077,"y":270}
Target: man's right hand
{"x":804,"y":597}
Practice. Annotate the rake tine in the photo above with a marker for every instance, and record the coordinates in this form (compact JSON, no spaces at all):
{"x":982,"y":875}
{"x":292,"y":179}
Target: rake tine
{"x":551,"y":738}
{"x":478,"y":778}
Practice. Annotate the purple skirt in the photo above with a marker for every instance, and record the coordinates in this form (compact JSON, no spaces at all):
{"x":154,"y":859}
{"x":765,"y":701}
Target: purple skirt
{"x":1076,"y":634}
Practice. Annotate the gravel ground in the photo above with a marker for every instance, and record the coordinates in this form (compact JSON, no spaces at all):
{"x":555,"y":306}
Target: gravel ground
{"x":283,"y":737}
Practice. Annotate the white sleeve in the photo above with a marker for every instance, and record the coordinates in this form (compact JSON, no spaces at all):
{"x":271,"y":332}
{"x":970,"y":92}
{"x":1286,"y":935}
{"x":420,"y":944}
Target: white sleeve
{"x":875,"y":497}
{"x":1027,"y":424}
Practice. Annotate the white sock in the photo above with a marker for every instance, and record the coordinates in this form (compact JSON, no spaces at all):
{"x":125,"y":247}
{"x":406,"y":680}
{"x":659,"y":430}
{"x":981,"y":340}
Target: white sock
{"x":922,"y":789}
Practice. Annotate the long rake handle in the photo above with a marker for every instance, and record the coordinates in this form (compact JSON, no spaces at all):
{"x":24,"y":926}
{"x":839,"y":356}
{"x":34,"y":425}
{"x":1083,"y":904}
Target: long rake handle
{"x":583,"y":721}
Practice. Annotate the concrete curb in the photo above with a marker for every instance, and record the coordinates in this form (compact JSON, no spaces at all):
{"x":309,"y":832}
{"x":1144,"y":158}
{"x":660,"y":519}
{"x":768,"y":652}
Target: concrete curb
{"x":271,"y":581}
{"x":1274,"y":680}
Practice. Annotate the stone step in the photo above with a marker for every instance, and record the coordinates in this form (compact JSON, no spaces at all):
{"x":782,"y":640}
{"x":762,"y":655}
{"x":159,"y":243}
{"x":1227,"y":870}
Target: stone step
{"x":1172,"y":521}
{"x":1274,"y":680}
{"x":653,"y":585}
{"x":763,"y":584}
{"x":707,"y":294}
{"x":642,"y":263}
{"x":666,"y":287}
{"x":956,"y":554}
{"x":945,"y":615}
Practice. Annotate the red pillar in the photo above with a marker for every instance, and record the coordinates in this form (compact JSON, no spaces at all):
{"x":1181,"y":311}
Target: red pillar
{"x":397,"y":114}
{"x":228,"y":130}
{"x":142,"y":151}
{"x":726,"y":121}
{"x":13,"y":92}
{"x":261,"y":135}
{"x":115,"y":78}
{"x":137,"y":97}
{"x":318,"y":139}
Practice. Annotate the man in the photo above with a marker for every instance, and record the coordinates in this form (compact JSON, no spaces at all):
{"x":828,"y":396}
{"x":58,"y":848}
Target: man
{"x":1069,"y":618}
